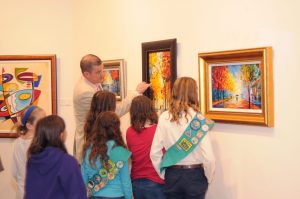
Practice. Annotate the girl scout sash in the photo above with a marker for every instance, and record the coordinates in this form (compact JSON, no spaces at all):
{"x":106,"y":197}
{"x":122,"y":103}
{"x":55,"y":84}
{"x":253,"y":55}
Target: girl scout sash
{"x":117,"y":158}
{"x":191,"y":137}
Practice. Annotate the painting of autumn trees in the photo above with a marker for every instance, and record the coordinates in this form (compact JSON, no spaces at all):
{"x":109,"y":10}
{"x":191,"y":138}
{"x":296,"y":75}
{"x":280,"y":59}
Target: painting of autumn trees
{"x":237,"y":86}
{"x":111,"y":80}
{"x":160,"y":78}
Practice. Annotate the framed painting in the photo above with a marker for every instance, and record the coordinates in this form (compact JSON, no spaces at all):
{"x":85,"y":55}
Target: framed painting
{"x":237,"y":86}
{"x":25,"y":80}
{"x":114,"y":77}
{"x":159,"y":69}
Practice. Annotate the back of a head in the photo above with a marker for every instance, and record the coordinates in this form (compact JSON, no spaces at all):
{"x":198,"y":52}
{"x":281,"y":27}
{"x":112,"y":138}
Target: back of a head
{"x":142,"y":110}
{"x":103,"y":101}
{"x":109,"y":121}
{"x":29,"y":115}
{"x":88,"y":61}
{"x":184,"y":96}
{"x":48,"y":133}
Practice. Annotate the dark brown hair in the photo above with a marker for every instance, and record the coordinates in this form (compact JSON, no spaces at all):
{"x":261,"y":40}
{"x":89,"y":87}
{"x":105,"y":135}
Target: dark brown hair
{"x":106,"y":127}
{"x":184,"y":96}
{"x":88,"y":61}
{"x":102,"y":101}
{"x":142,"y":110}
{"x":22,"y":129}
{"x":48,"y":133}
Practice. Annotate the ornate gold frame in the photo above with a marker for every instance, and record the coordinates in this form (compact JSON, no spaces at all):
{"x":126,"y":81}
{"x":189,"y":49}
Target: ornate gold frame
{"x":264,"y":55}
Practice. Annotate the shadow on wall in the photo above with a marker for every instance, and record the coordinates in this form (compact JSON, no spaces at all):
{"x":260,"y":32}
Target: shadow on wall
{"x":244,"y":129}
{"x":221,"y":187}
{"x":8,"y":185}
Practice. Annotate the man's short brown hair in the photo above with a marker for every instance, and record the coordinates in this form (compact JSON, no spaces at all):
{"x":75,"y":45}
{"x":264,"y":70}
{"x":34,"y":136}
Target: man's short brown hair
{"x":88,"y":61}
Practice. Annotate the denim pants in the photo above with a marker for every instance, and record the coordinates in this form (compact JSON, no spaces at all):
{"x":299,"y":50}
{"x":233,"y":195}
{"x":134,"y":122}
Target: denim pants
{"x":147,"y":189}
{"x":185,"y":183}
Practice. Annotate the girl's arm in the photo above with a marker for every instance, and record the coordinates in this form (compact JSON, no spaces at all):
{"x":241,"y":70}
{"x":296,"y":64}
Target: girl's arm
{"x":209,"y":158}
{"x":14,"y":166}
{"x":126,"y":181}
{"x":156,"y":152}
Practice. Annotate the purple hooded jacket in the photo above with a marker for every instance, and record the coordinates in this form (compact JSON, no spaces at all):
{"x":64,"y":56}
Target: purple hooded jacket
{"x":53,"y":174}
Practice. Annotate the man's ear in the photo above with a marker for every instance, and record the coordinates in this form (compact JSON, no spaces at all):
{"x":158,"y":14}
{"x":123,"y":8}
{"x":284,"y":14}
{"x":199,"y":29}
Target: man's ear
{"x":86,"y":74}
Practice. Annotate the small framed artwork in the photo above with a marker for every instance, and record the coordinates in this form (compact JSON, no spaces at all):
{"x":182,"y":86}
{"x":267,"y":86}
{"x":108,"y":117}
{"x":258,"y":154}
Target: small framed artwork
{"x":25,"y":80}
{"x":159,"y":69}
{"x":114,"y":77}
{"x":237,"y":86}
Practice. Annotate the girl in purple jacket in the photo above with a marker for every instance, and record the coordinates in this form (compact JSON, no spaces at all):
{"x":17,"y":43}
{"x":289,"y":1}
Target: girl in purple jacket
{"x":51,"y":171}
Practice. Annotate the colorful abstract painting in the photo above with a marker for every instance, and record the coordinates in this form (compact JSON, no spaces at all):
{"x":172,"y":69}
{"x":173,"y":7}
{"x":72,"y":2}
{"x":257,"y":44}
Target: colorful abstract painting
{"x":160,"y":78}
{"x":111,"y":80}
{"x":23,"y":83}
{"x":236,"y":87}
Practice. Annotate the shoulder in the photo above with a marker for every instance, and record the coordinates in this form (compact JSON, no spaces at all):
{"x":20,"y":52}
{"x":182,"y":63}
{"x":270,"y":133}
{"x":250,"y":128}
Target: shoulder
{"x":165,"y":116}
{"x":82,"y":87}
{"x":69,"y":161}
{"x":130,"y":131}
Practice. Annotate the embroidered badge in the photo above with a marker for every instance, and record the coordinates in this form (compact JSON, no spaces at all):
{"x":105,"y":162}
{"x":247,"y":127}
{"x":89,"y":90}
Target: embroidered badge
{"x":91,"y":184}
{"x":103,"y":173}
{"x":111,"y":176}
{"x":195,"y":124}
{"x":97,"y":178}
{"x":102,"y":183}
{"x":199,"y":134}
{"x":97,"y":188}
{"x":208,"y":121}
{"x":120,"y":164}
{"x":178,"y":147}
{"x":185,"y":144}
{"x":116,"y":171}
{"x":194,"y":140}
{"x":205,"y":127}
{"x":89,"y":192}
{"x":200,"y":117}
{"x":110,"y":166}
{"x":188,"y":133}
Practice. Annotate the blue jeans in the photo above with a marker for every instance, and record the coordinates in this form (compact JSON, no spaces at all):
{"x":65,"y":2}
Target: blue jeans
{"x":147,"y":189}
{"x":185,"y":183}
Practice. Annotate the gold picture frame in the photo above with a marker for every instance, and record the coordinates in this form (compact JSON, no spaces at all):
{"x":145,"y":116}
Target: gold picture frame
{"x":236,"y":86}
{"x":114,"y":77}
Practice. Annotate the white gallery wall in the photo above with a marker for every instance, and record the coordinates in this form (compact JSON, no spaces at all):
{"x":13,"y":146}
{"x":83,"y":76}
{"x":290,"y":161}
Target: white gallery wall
{"x":252,"y":162}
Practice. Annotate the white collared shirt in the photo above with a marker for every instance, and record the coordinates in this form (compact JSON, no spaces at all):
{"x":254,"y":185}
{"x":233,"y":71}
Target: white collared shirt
{"x":167,"y":134}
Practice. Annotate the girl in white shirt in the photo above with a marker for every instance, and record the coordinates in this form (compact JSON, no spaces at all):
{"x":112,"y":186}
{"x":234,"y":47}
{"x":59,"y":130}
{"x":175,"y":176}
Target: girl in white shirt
{"x":189,"y":177}
{"x":26,"y":130}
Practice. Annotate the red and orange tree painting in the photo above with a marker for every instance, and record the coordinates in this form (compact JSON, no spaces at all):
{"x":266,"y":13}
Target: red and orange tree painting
{"x":236,"y":86}
{"x":160,"y":78}
{"x":111,"y":81}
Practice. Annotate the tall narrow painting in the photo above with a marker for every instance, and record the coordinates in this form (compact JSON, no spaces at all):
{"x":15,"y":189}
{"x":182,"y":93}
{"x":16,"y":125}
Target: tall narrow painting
{"x":25,"y":81}
{"x":159,"y":69}
{"x":237,"y":86}
{"x":114,"y":77}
